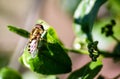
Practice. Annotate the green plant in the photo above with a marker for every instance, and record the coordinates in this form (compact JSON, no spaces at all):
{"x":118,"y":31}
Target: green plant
{"x":51,"y":56}
{"x":8,"y":73}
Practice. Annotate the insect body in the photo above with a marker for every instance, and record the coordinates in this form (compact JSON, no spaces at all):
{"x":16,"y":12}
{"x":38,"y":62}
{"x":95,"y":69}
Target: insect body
{"x":35,"y":36}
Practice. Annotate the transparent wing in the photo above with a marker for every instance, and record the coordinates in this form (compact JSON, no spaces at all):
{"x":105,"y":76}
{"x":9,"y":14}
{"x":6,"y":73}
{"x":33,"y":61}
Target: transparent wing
{"x":32,"y":48}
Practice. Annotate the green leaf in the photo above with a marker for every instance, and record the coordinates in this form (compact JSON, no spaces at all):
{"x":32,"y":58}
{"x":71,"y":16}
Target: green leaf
{"x":8,"y":73}
{"x":85,"y":15}
{"x":51,"y":57}
{"x":89,"y":71}
{"x":19,"y":31}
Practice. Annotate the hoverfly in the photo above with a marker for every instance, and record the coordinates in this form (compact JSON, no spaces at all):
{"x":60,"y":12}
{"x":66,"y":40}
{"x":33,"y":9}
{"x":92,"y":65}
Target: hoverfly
{"x":35,"y":37}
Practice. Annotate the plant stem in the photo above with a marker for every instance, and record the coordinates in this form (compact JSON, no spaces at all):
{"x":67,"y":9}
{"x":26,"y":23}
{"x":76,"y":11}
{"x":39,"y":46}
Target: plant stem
{"x":76,"y":51}
{"x":103,"y":53}
{"x":115,"y":38}
{"x":108,"y":54}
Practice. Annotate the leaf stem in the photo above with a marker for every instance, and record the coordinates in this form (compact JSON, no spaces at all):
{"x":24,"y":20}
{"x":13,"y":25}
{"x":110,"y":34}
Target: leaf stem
{"x":103,"y":53}
{"x":115,"y":38}
{"x":76,"y":51}
{"x":108,"y":54}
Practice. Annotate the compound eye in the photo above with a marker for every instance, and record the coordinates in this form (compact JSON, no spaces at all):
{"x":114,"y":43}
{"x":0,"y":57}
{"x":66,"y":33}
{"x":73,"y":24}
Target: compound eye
{"x":40,"y":26}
